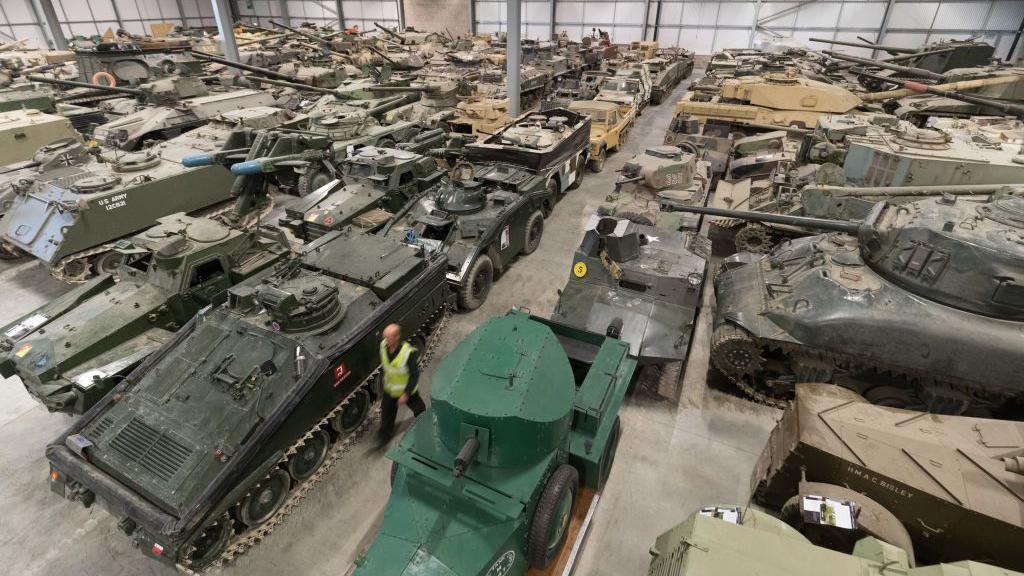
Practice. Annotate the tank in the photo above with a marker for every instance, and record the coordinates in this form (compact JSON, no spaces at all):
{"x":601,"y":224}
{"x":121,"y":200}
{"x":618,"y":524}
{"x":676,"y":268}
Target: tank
{"x":652,"y":185}
{"x":376,"y":183}
{"x":940,"y":56}
{"x":944,"y":488}
{"x":642,"y":286}
{"x":70,"y":352}
{"x":70,"y":214}
{"x":22,"y":132}
{"x":667,"y":71}
{"x":492,"y":208}
{"x":630,"y":86}
{"x":497,"y":466}
{"x":434,"y":108}
{"x":728,"y":540}
{"x":915,"y":306}
{"x":250,"y":403}
{"x":129,"y":65}
{"x":478,"y":115}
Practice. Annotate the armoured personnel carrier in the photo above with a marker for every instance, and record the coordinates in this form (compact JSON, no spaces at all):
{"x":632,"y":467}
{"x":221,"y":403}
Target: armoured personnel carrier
{"x":376,"y":183}
{"x":653,"y":184}
{"x":630,"y":86}
{"x":492,"y":209}
{"x":286,"y":366}
{"x":730,"y":540}
{"x":667,"y":71}
{"x":71,"y":211}
{"x":574,"y":89}
{"x":70,"y":352}
{"x":495,"y":474}
{"x":943,"y":488}
{"x":915,"y":306}
{"x":640,"y":285}
{"x":166,"y":108}
{"x":23,"y":132}
{"x":736,"y":62}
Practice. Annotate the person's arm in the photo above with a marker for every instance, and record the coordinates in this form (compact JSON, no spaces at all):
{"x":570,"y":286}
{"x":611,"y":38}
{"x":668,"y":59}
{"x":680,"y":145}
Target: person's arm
{"x":414,"y":372}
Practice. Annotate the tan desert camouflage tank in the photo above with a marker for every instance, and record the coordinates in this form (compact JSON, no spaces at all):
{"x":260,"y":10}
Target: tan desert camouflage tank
{"x":480,"y":115}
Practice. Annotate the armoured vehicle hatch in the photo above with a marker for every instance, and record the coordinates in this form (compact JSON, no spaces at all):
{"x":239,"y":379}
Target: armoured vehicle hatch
{"x":70,"y":352}
{"x":653,"y":184}
{"x":642,"y":285}
{"x":948,"y":488}
{"x":728,"y":540}
{"x":516,"y":441}
{"x":935,"y":276}
{"x":243,"y":408}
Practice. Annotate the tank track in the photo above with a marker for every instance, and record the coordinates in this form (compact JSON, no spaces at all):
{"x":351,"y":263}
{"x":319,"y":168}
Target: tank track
{"x":9,"y":251}
{"x":739,"y":382}
{"x":58,"y":270}
{"x":241,"y":543}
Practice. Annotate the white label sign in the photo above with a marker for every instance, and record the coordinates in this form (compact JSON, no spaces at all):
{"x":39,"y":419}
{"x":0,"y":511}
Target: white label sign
{"x":25,"y":326}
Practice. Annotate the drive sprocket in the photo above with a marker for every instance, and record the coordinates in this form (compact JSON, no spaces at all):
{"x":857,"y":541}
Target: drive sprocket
{"x":753,"y":238}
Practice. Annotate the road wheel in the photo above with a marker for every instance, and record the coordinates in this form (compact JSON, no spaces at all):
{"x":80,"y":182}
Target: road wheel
{"x":532,"y":232}
{"x":76,"y":270}
{"x":108,"y":262}
{"x":735,"y":352}
{"x":551,"y":518}
{"x":9,"y":251}
{"x":265,"y":498}
{"x":352,"y":414}
{"x":579,"y":171}
{"x":309,"y":183}
{"x":309,"y":457}
{"x":477,"y":283}
{"x":209,"y":544}
{"x":596,"y":163}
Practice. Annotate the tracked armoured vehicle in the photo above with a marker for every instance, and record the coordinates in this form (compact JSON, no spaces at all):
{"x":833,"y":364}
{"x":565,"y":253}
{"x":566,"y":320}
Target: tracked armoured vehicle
{"x":75,"y":207}
{"x":492,"y":208}
{"x":730,"y":540}
{"x":916,"y":306}
{"x":941,"y":56}
{"x":943,"y":488}
{"x":667,"y":71}
{"x":375,"y":184}
{"x":653,"y":184}
{"x":641,"y":285}
{"x":521,"y":433}
{"x":479,"y":115}
{"x":23,"y":132}
{"x":203,"y":449}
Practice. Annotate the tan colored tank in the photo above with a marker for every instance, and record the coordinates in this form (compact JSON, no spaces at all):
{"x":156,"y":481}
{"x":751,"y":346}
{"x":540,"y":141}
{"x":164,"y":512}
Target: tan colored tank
{"x":23,"y":132}
{"x":481,"y":115}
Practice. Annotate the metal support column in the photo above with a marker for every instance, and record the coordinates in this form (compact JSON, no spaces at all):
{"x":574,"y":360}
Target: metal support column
{"x":401,"y":15}
{"x":647,"y":10}
{"x":283,"y":7}
{"x":754,"y":24}
{"x":181,"y":13}
{"x":340,"y":13}
{"x":472,"y":17}
{"x":117,"y":16}
{"x":657,"y":21}
{"x":554,"y":6}
{"x":884,"y":27}
{"x":513,"y":51}
{"x":53,"y":24}
{"x":226,"y":28}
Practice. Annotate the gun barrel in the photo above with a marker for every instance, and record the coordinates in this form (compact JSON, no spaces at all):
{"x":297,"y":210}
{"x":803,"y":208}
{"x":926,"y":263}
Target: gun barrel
{"x":1002,"y":106}
{"x":296,"y":85}
{"x":903,"y":57}
{"x":921,"y":72}
{"x":119,"y":89}
{"x":246,"y":67}
{"x":804,"y":221}
{"x":905,"y":191}
{"x":302,"y":33}
{"x":389,"y":32}
{"x":380,"y":53}
{"x":869,"y":45}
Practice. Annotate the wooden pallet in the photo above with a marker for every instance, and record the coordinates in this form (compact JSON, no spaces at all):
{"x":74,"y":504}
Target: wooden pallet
{"x":582,"y":516}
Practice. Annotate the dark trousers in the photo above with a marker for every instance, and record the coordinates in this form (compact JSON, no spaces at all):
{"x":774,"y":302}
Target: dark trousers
{"x":389,"y":409}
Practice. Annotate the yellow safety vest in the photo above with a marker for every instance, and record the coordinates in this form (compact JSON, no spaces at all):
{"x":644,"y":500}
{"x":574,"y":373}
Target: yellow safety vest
{"x":396,"y":370}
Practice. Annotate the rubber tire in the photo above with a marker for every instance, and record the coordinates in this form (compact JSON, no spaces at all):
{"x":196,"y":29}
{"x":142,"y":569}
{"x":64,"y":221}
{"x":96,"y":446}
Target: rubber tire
{"x":580,"y":172}
{"x":536,"y":219}
{"x":320,"y":436}
{"x":565,"y":477}
{"x":467,"y":300}
{"x":596,"y":164}
{"x":309,"y":184}
{"x":889,"y":397}
{"x":358,"y":397}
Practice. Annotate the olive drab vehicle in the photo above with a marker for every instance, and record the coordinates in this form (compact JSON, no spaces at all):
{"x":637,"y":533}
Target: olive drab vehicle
{"x":934,"y":276}
{"x":23,"y":132}
{"x":492,"y":208}
{"x":653,"y":184}
{"x":70,"y":352}
{"x":286,"y":365}
{"x":376,"y":183}
{"x":667,"y":71}
{"x":641,"y":285}
{"x":167,"y":108}
{"x":941,"y":56}
{"x":731,"y":540}
{"x":521,"y":433}
{"x":610,"y":125}
{"x":943,"y":488}
{"x":72,"y":213}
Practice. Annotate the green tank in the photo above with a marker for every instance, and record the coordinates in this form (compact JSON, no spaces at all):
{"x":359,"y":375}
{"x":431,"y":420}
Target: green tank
{"x":70,"y":214}
{"x":375,"y":184}
{"x":204,"y":448}
{"x":667,"y":70}
{"x":942,"y":488}
{"x":728,"y":541}
{"x":642,"y":285}
{"x":467,"y":500}
{"x":652,"y":185}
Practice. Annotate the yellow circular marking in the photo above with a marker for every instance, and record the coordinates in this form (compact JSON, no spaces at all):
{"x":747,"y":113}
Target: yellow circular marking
{"x":580,"y":269}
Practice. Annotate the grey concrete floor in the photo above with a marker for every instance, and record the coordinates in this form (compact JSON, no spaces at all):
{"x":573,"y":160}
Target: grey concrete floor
{"x":672,"y":459}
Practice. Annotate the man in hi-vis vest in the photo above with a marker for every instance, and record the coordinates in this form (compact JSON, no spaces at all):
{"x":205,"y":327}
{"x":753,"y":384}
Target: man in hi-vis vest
{"x":399,"y":363}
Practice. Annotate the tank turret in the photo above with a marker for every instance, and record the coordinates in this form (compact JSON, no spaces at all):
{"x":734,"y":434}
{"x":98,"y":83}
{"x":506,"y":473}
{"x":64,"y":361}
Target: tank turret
{"x":938,"y":56}
{"x":985,"y":103}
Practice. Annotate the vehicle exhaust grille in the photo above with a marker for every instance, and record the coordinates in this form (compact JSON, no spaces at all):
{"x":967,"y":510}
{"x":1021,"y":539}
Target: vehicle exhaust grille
{"x":101,"y":427}
{"x":153,"y":450}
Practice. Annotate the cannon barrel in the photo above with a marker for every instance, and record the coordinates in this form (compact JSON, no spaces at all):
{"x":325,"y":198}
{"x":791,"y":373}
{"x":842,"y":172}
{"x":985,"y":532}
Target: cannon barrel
{"x":1005,"y":107}
{"x":72,"y":83}
{"x":804,"y":221}
{"x":380,"y":53}
{"x":296,"y":85}
{"x":389,"y":32}
{"x":465,"y":456}
{"x":961,"y":85}
{"x":904,"y":191}
{"x":390,"y":103}
{"x":246,"y":67}
{"x":302,"y":33}
{"x":869,"y":45}
{"x":921,"y":72}
{"x":903,"y":57}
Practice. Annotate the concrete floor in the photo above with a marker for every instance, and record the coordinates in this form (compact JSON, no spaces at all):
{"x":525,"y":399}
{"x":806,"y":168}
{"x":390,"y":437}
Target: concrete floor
{"x":672,"y":459}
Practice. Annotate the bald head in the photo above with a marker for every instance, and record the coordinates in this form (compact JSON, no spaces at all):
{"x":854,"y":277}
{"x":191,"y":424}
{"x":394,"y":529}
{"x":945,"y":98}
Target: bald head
{"x":393,"y":336}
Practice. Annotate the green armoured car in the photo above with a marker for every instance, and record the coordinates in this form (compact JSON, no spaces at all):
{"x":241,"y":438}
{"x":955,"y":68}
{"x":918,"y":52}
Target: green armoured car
{"x":70,"y":352}
{"x":732,"y":541}
{"x":200,"y":450}
{"x":522,"y":429}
